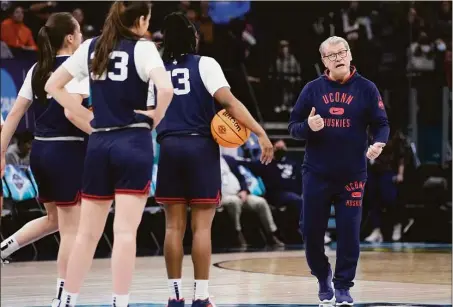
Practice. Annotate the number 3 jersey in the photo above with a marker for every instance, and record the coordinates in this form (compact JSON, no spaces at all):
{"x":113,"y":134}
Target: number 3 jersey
{"x":123,"y":88}
{"x":195,"y":80}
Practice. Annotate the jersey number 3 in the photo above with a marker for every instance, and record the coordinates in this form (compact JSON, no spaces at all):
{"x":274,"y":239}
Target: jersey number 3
{"x":182,"y":76}
{"x":119,"y":71}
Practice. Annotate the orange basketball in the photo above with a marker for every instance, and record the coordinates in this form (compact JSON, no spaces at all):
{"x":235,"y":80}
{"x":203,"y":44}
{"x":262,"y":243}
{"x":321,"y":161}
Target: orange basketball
{"x":227,"y":131}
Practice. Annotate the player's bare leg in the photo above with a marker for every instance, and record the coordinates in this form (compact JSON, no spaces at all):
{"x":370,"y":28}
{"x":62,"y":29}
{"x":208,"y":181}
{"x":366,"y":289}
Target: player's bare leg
{"x":128,"y":214}
{"x":93,"y":217}
{"x":68,"y":218}
{"x":202,"y":217}
{"x":32,"y":231}
{"x":175,"y":227}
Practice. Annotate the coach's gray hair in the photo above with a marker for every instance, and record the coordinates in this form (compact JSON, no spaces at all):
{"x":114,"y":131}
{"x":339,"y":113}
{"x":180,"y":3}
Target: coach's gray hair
{"x":333,"y":40}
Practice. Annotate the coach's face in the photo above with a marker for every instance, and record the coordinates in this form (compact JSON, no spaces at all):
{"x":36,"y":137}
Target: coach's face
{"x":337,"y":59}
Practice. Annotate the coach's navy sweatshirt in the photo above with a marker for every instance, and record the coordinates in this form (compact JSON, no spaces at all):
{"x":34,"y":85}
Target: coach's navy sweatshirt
{"x":338,"y":151}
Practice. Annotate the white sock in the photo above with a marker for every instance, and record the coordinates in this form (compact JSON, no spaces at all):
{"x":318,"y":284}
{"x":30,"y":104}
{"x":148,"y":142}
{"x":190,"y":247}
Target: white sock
{"x":69,"y":298}
{"x":201,"y":289}
{"x":120,"y":300}
{"x":60,"y":286}
{"x":9,"y":246}
{"x":174,"y":285}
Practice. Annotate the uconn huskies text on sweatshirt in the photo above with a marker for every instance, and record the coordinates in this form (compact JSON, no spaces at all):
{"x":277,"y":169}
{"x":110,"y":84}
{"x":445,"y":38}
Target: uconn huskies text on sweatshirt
{"x":349,"y":109}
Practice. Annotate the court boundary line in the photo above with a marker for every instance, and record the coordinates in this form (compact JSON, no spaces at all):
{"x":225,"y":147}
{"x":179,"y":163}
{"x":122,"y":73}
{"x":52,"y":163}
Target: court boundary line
{"x":218,"y":265}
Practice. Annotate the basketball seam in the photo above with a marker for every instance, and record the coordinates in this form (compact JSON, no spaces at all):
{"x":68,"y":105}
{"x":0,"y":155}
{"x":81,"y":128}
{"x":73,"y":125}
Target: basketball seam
{"x":232,"y":129}
{"x":213,"y":130}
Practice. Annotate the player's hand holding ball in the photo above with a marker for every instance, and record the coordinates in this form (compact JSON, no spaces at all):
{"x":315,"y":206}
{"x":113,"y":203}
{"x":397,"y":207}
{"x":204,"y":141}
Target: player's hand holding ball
{"x":375,"y":150}
{"x":315,"y":122}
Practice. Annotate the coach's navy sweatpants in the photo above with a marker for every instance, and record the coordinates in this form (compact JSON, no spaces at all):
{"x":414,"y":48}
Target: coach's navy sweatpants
{"x":318,"y":195}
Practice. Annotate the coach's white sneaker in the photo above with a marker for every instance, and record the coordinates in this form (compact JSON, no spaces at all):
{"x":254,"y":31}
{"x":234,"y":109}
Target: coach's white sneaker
{"x":396,"y":236}
{"x":375,"y":236}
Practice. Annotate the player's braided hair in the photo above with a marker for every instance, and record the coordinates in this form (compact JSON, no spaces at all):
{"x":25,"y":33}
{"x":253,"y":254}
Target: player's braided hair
{"x":179,"y":37}
{"x":121,"y":17}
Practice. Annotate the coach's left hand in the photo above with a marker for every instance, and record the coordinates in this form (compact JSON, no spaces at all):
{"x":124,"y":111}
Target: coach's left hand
{"x":375,"y":150}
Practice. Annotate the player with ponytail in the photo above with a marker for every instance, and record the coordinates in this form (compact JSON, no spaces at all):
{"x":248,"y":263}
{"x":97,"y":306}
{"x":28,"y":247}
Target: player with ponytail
{"x":119,"y":159}
{"x":58,"y":150}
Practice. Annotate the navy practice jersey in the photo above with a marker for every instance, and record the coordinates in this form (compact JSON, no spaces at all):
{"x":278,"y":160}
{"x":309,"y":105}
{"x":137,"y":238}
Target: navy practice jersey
{"x":124,"y":87}
{"x":50,"y":120}
{"x":348,"y":110}
{"x":195,"y":81}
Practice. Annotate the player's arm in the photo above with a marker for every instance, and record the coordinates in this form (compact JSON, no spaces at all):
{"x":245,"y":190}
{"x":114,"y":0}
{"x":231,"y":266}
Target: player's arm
{"x":298,"y":121}
{"x":150,"y":67}
{"x":20,"y":107}
{"x":18,"y":110}
{"x":379,"y":124}
{"x":76,"y":67}
{"x":216,"y":84}
{"x":164,"y":89}
{"x":79,"y":91}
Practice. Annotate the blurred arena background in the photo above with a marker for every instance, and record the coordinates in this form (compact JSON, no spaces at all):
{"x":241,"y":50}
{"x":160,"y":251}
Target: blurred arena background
{"x":269,"y":50}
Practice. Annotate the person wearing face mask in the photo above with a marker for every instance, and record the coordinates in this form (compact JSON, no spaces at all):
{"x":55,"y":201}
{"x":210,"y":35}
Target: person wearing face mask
{"x":422,"y":54}
{"x":333,"y":114}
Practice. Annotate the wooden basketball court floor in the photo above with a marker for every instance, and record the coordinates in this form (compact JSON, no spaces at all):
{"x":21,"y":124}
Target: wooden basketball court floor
{"x":387,"y":275}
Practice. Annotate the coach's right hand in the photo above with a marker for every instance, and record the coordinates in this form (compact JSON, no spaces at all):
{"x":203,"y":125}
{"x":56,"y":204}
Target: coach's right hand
{"x":315,"y":122}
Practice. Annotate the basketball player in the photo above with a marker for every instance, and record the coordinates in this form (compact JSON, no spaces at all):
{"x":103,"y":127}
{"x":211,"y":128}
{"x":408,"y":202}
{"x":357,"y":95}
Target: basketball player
{"x":189,"y":164}
{"x":119,"y":159}
{"x":58,"y":151}
{"x":332,"y":114}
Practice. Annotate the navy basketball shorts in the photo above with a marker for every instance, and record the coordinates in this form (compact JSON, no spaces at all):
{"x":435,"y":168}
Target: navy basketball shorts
{"x":57,"y":167}
{"x":189,"y":171}
{"x":118,"y":162}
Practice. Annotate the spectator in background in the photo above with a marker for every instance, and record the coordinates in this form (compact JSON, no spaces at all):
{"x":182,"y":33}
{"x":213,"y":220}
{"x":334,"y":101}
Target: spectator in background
{"x":354,"y":21}
{"x":206,"y":30}
{"x":15,"y":33}
{"x":386,"y":173}
{"x":285,"y":71}
{"x":421,"y":55}
{"x":87,"y":30}
{"x":444,"y":24}
{"x":236,"y":196}
{"x":413,"y":26}
{"x":192,"y":15}
{"x":19,"y":153}
{"x":282,"y":178}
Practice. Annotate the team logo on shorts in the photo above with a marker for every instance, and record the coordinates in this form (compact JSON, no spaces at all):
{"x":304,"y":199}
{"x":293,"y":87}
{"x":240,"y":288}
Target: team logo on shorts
{"x":222,"y":129}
